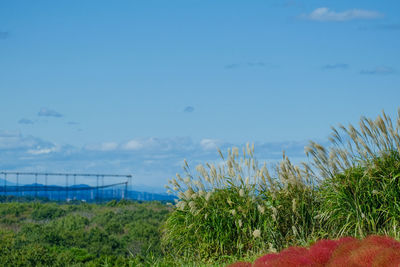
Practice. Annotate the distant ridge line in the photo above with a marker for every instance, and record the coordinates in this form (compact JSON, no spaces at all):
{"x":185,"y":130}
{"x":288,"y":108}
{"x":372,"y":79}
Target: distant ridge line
{"x":65,"y":174}
{"x":40,"y":187}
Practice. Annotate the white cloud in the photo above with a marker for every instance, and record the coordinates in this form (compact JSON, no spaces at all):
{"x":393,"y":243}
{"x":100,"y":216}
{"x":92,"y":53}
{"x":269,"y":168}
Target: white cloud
{"x":16,"y":141}
{"x":326,"y":14}
{"x":133,"y":145}
{"x":41,"y":151}
{"x":210,"y":144}
{"x":155,"y":144}
{"x":108,"y":146}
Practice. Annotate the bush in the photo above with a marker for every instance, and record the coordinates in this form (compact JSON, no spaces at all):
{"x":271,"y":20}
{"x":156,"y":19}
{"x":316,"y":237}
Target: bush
{"x":361,"y":179}
{"x":237,"y":208}
{"x":47,"y":211}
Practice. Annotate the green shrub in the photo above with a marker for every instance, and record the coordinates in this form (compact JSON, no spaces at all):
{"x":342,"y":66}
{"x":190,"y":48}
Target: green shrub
{"x":47,"y":211}
{"x":363,"y":200}
{"x":360,"y":190}
{"x":14,"y":209}
{"x":237,"y":208}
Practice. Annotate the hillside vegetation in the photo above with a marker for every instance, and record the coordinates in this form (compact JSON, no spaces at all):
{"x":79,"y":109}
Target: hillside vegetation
{"x":49,"y":234}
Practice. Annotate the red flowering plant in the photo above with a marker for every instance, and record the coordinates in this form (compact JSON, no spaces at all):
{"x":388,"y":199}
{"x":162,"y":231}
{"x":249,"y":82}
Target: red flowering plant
{"x":373,"y":251}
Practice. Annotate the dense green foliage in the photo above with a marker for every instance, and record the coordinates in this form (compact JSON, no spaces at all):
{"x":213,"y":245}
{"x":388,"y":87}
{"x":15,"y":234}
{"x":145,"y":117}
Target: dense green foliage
{"x":48,"y":234}
{"x":364,"y":199}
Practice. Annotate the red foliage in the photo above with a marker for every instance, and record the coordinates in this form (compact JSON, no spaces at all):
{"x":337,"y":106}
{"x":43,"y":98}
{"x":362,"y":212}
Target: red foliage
{"x":384,"y":241}
{"x":240,"y":264}
{"x":293,"y":256}
{"x":263,"y":260}
{"x":387,"y":257}
{"x":340,"y":256}
{"x":371,"y":251}
{"x":321,"y":251}
{"x":374,"y":251}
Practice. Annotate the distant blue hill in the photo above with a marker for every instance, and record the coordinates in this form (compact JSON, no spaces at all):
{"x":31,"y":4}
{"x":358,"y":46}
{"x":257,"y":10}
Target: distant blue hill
{"x":79,"y":185}
{"x":34,"y":184}
{"x":8,"y":182}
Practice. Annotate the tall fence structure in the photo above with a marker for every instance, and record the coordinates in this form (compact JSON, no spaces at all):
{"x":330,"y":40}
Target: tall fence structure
{"x":39,"y":186}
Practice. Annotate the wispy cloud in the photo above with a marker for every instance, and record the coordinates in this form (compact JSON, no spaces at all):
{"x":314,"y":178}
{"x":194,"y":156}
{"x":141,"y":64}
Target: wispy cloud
{"x":108,"y":146}
{"x":378,"y":71}
{"x":232,"y":66}
{"x":211,"y":144}
{"x":326,"y":14}
{"x":247,"y":64}
{"x":256,"y":64}
{"x":73,"y":123}
{"x":45,"y":112}
{"x":335,"y":66}
{"x":134,"y":145}
{"x":188,"y":109}
{"x":25,"y":121}
{"x":11,"y":141}
{"x":4,"y":35}
{"x":41,"y":151}
{"x":391,"y":27}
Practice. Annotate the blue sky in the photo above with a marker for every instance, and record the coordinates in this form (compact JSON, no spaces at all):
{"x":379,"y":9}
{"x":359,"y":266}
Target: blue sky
{"x":137,"y":86}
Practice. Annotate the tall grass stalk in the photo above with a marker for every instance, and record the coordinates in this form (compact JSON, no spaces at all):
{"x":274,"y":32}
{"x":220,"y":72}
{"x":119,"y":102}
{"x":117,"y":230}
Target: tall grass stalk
{"x":360,"y":171}
{"x":237,"y":208}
